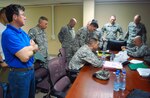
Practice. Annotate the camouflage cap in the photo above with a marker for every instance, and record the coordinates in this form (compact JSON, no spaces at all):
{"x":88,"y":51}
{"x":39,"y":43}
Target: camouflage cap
{"x":102,"y":74}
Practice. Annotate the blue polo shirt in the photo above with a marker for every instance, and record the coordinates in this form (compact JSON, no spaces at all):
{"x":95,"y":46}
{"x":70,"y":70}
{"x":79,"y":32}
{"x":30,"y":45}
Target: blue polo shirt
{"x":13,"y":40}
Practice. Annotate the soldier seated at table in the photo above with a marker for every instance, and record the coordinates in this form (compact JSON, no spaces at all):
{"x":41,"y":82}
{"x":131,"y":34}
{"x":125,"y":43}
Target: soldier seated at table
{"x":147,"y":56}
{"x":85,"y":54}
{"x":139,"y":50}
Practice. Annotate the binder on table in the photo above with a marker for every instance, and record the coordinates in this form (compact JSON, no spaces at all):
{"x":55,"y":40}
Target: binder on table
{"x":137,"y":65}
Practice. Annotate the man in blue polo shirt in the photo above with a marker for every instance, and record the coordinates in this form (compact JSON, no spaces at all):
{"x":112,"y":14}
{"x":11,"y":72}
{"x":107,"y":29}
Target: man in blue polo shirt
{"x":18,"y":50}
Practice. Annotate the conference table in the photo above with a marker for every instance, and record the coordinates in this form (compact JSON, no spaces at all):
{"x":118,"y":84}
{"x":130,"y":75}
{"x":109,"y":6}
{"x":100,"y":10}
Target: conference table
{"x":87,"y":86}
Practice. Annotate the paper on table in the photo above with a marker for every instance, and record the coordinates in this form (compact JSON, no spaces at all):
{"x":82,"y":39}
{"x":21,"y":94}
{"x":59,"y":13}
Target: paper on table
{"x":115,"y":65}
{"x":136,"y":61}
{"x":144,"y":72}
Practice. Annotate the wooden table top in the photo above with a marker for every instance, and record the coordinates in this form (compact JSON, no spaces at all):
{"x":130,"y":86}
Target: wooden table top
{"x":86,"y":86}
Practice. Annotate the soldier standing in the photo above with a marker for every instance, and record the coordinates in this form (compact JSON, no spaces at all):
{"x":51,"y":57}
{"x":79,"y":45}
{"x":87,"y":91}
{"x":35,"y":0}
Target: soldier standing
{"x":66,"y":37}
{"x":84,"y":34}
{"x":135,"y":28}
{"x":111,"y":29}
{"x":39,"y":36}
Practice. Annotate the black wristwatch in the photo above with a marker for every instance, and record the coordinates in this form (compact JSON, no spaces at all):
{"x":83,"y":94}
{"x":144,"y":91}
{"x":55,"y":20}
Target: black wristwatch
{"x":1,"y":61}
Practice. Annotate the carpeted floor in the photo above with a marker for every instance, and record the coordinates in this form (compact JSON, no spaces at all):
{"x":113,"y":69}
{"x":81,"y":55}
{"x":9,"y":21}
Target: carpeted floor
{"x":40,"y":95}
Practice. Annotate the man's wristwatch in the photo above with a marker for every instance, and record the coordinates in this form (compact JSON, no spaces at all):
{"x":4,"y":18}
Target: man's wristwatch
{"x":1,"y":61}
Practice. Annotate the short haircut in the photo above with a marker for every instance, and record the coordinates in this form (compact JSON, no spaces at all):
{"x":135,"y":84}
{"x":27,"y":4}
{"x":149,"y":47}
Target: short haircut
{"x":139,"y":16}
{"x":139,"y":38}
{"x":13,"y":9}
{"x":42,"y":18}
{"x":113,"y":16}
{"x":92,"y":40}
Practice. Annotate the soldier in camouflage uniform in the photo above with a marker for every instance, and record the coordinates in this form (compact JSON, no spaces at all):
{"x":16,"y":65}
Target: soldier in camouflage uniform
{"x":139,"y":50}
{"x":111,"y":29}
{"x":147,"y":56}
{"x":84,"y":34}
{"x":85,"y":54}
{"x":99,"y":34}
{"x":66,"y":37}
{"x":135,"y":28}
{"x":39,"y":36}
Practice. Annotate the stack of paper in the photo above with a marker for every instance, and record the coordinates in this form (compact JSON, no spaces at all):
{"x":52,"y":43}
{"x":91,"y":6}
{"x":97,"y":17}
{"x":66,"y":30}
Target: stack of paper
{"x":136,"y":61}
{"x":112,"y":65}
{"x":144,"y":72}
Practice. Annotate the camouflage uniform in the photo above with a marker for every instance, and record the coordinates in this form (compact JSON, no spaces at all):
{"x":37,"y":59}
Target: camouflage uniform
{"x":39,"y":36}
{"x":99,"y":34}
{"x":134,"y":30}
{"x":137,"y":51}
{"x":82,"y":56}
{"x":82,"y":38}
{"x":111,"y":33}
{"x":66,"y":37}
{"x":147,"y":55}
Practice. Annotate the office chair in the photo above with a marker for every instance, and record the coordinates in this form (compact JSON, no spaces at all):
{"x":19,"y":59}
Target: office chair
{"x":115,"y":45}
{"x":72,"y":74}
{"x":58,"y":77}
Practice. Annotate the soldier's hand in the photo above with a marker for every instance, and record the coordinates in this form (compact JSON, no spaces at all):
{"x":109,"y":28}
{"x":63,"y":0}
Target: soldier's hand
{"x":104,"y":39}
{"x":123,"y":48}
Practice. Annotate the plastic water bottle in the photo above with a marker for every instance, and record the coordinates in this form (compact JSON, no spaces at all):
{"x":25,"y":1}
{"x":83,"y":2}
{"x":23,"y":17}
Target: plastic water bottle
{"x":103,"y":56}
{"x":117,"y":81}
{"x":112,"y":56}
{"x":123,"y":80}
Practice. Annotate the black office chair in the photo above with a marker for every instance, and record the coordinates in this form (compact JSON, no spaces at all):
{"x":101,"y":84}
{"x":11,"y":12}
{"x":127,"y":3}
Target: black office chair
{"x":115,"y":45}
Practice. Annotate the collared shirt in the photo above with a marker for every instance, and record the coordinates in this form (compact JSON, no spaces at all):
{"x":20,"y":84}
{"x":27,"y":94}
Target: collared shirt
{"x":134,"y":30}
{"x":66,"y":35}
{"x":13,"y":40}
{"x":83,"y":55}
{"x":39,"y":36}
{"x":112,"y":30}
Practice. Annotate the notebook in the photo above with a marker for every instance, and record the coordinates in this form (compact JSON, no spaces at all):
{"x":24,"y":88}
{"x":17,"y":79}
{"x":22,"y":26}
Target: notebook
{"x":144,"y":72}
{"x":137,"y":65}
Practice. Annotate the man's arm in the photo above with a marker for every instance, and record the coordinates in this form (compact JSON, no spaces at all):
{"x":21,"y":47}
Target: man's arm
{"x":25,"y":53}
{"x":126,"y":35}
{"x":120,"y":37}
{"x":61,"y":35}
{"x":2,"y":62}
{"x":144,"y":32}
{"x":138,"y":53}
{"x":103,"y":33}
{"x":91,"y":58}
